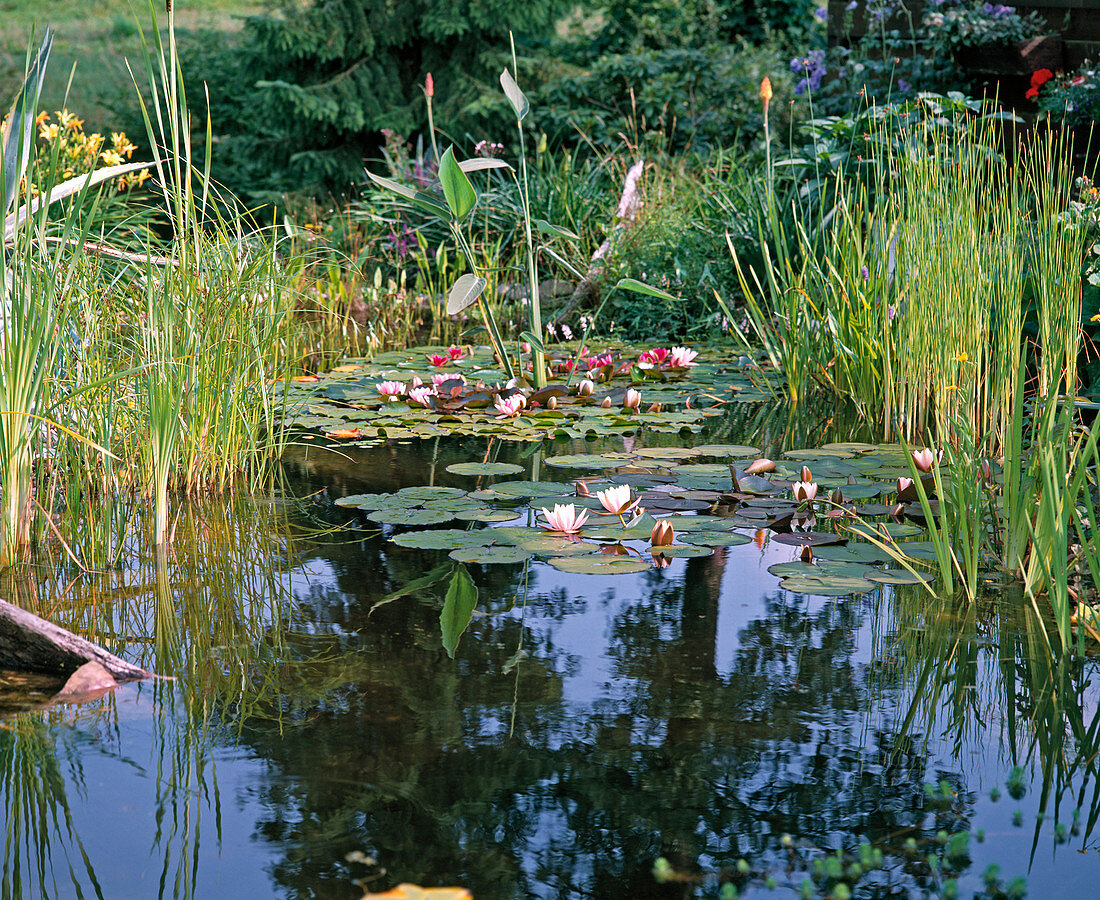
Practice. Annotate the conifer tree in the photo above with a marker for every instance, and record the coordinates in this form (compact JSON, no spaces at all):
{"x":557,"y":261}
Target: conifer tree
{"x":322,"y":78}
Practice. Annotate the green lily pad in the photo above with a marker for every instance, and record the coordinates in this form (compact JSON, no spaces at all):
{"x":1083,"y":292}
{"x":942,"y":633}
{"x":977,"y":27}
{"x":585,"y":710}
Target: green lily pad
{"x":558,"y":545}
{"x":853,"y":552}
{"x":893,"y":529}
{"x":487,"y":514}
{"x":363,"y":501}
{"x":407,"y":516}
{"x":444,"y":539}
{"x":476,"y":468}
{"x":827,"y":586}
{"x":592,"y":461}
{"x":429,"y":492}
{"x":726,"y":451}
{"x":490,"y":555}
{"x":715,"y":538}
{"x":599,"y":564}
{"x":899,"y":576}
{"x":824,"y":569}
{"x":683,"y":551}
{"x":528,"y":488}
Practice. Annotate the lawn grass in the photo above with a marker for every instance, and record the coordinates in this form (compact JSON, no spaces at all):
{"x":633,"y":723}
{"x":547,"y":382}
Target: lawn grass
{"x":97,"y":36}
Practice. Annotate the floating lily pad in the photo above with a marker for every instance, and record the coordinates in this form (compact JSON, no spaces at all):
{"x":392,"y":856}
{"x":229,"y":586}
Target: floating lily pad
{"x":528,"y":488}
{"x":823,"y":569}
{"x":893,"y":529}
{"x":725,"y":451}
{"x":558,"y":545}
{"x":715,"y":538}
{"x":444,"y":539}
{"x":490,"y":555}
{"x":487,"y":514}
{"x":484,"y":468}
{"x":363,"y":501}
{"x":809,"y":538}
{"x":853,"y":552}
{"x":407,"y":516}
{"x":429,"y":492}
{"x":683,"y":551}
{"x":827,"y":586}
{"x":898,"y":576}
{"x":592,"y":461}
{"x":598,"y":564}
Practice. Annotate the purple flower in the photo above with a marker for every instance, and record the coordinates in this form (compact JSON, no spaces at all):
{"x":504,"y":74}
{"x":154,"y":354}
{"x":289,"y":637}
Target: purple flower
{"x":997,"y":10}
{"x":866,"y":273}
{"x":822,"y":13}
{"x":852,"y":6}
{"x":903,"y":85}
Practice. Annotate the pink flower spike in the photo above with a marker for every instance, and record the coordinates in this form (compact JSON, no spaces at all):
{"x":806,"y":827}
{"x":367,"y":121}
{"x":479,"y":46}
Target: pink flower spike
{"x":454,"y":352}
{"x":509,"y":406}
{"x":681,"y":358}
{"x":924,"y":459}
{"x":438,"y":359}
{"x":391,"y":390}
{"x":564,"y":518}
{"x":632,"y":400}
{"x":421,"y":395}
{"x":804,"y":491}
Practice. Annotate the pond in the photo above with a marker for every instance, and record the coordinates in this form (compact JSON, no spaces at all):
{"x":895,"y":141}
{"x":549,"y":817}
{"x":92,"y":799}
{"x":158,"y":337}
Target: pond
{"x":689,"y":730}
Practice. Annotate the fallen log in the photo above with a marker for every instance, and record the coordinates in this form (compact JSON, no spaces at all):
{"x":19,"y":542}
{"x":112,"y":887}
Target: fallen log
{"x":29,"y":643}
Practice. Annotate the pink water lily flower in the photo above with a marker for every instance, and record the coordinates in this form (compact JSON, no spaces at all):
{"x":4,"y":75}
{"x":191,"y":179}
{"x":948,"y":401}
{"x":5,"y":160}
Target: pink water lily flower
{"x":662,"y":534}
{"x":804,"y":490}
{"x":632,"y":400}
{"x":509,"y":406}
{"x":682,"y":358}
{"x":598,"y":362}
{"x":421,"y":395}
{"x":616,"y":499}
{"x":438,"y":359}
{"x":924,"y":459}
{"x":904,"y":484}
{"x":391,"y":390}
{"x":655,"y":357}
{"x":439,"y":377}
{"x":454,"y":352}
{"x":564,"y":518}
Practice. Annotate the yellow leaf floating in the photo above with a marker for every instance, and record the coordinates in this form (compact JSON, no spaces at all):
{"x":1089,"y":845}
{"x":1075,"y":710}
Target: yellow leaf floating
{"x":415,"y":892}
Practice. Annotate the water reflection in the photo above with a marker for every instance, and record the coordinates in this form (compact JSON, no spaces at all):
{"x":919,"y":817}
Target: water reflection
{"x":586,"y":727}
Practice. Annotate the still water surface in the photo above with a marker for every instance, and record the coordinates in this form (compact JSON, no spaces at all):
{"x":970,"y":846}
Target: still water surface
{"x":587,"y":726}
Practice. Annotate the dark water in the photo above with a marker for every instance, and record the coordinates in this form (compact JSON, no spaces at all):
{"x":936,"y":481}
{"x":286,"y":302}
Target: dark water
{"x":587,"y":726}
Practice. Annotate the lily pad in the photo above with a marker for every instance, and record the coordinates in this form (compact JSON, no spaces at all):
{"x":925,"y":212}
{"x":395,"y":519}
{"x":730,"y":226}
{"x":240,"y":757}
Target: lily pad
{"x":598,"y":564}
{"x":363,"y":501}
{"x":444,"y":539}
{"x":528,"y":488}
{"x":484,"y":468}
{"x":684,"y":551}
{"x":715,"y":538}
{"x":558,"y":545}
{"x":429,"y":492}
{"x":827,"y":586}
{"x":409,"y":516}
{"x":899,"y":576}
{"x":490,"y":555}
{"x":487,"y":514}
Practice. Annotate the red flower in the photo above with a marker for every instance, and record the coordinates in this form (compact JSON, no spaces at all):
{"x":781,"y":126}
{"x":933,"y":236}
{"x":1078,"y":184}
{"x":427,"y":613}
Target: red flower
{"x":1038,"y":78}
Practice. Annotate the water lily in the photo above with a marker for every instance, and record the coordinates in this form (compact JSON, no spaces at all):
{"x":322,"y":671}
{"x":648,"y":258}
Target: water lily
{"x":606,"y":403}
{"x":654,"y":357}
{"x":804,"y":491}
{"x":904,"y":484}
{"x":564,"y":518}
{"x":454,"y":352}
{"x":581,"y":489}
{"x":632,"y":400}
{"x":439,"y":377}
{"x":416,"y":381}
{"x":616,"y":499}
{"x":438,"y":359}
{"x":391,"y":390}
{"x":598,"y":362}
{"x":924,"y":459}
{"x":807,"y":475}
{"x":681,"y":358}
{"x":662,"y":534}
{"x":509,"y":406}
{"x":585,"y":388}
{"x":421,"y":395}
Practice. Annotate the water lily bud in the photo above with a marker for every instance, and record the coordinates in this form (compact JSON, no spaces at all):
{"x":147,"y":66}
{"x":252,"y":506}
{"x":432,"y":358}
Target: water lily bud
{"x":581,"y":489}
{"x":655,"y":407}
{"x":807,"y":555}
{"x":987,"y":472}
{"x":836,"y":497}
{"x":552,"y":403}
{"x":807,"y":475}
{"x":606,"y":403}
{"x":525,"y":347}
{"x":632,"y":400}
{"x":904,"y":484}
{"x":429,"y":86}
{"x":757,"y":466}
{"x":662,"y":534}
{"x":585,"y":388}
{"x":924,"y":459}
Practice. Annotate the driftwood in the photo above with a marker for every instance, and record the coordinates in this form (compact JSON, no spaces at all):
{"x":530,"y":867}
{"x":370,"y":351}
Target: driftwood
{"x":31,"y":644}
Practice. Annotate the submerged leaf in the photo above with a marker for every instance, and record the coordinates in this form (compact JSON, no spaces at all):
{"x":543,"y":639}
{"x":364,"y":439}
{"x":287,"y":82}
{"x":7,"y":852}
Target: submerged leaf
{"x":458,"y":609}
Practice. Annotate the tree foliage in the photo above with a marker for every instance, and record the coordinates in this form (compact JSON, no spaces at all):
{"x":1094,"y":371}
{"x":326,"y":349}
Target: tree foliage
{"x":313,"y":84}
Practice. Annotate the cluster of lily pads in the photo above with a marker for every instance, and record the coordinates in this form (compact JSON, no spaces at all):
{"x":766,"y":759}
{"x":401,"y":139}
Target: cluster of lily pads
{"x":621,"y":512}
{"x":438,"y":391}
